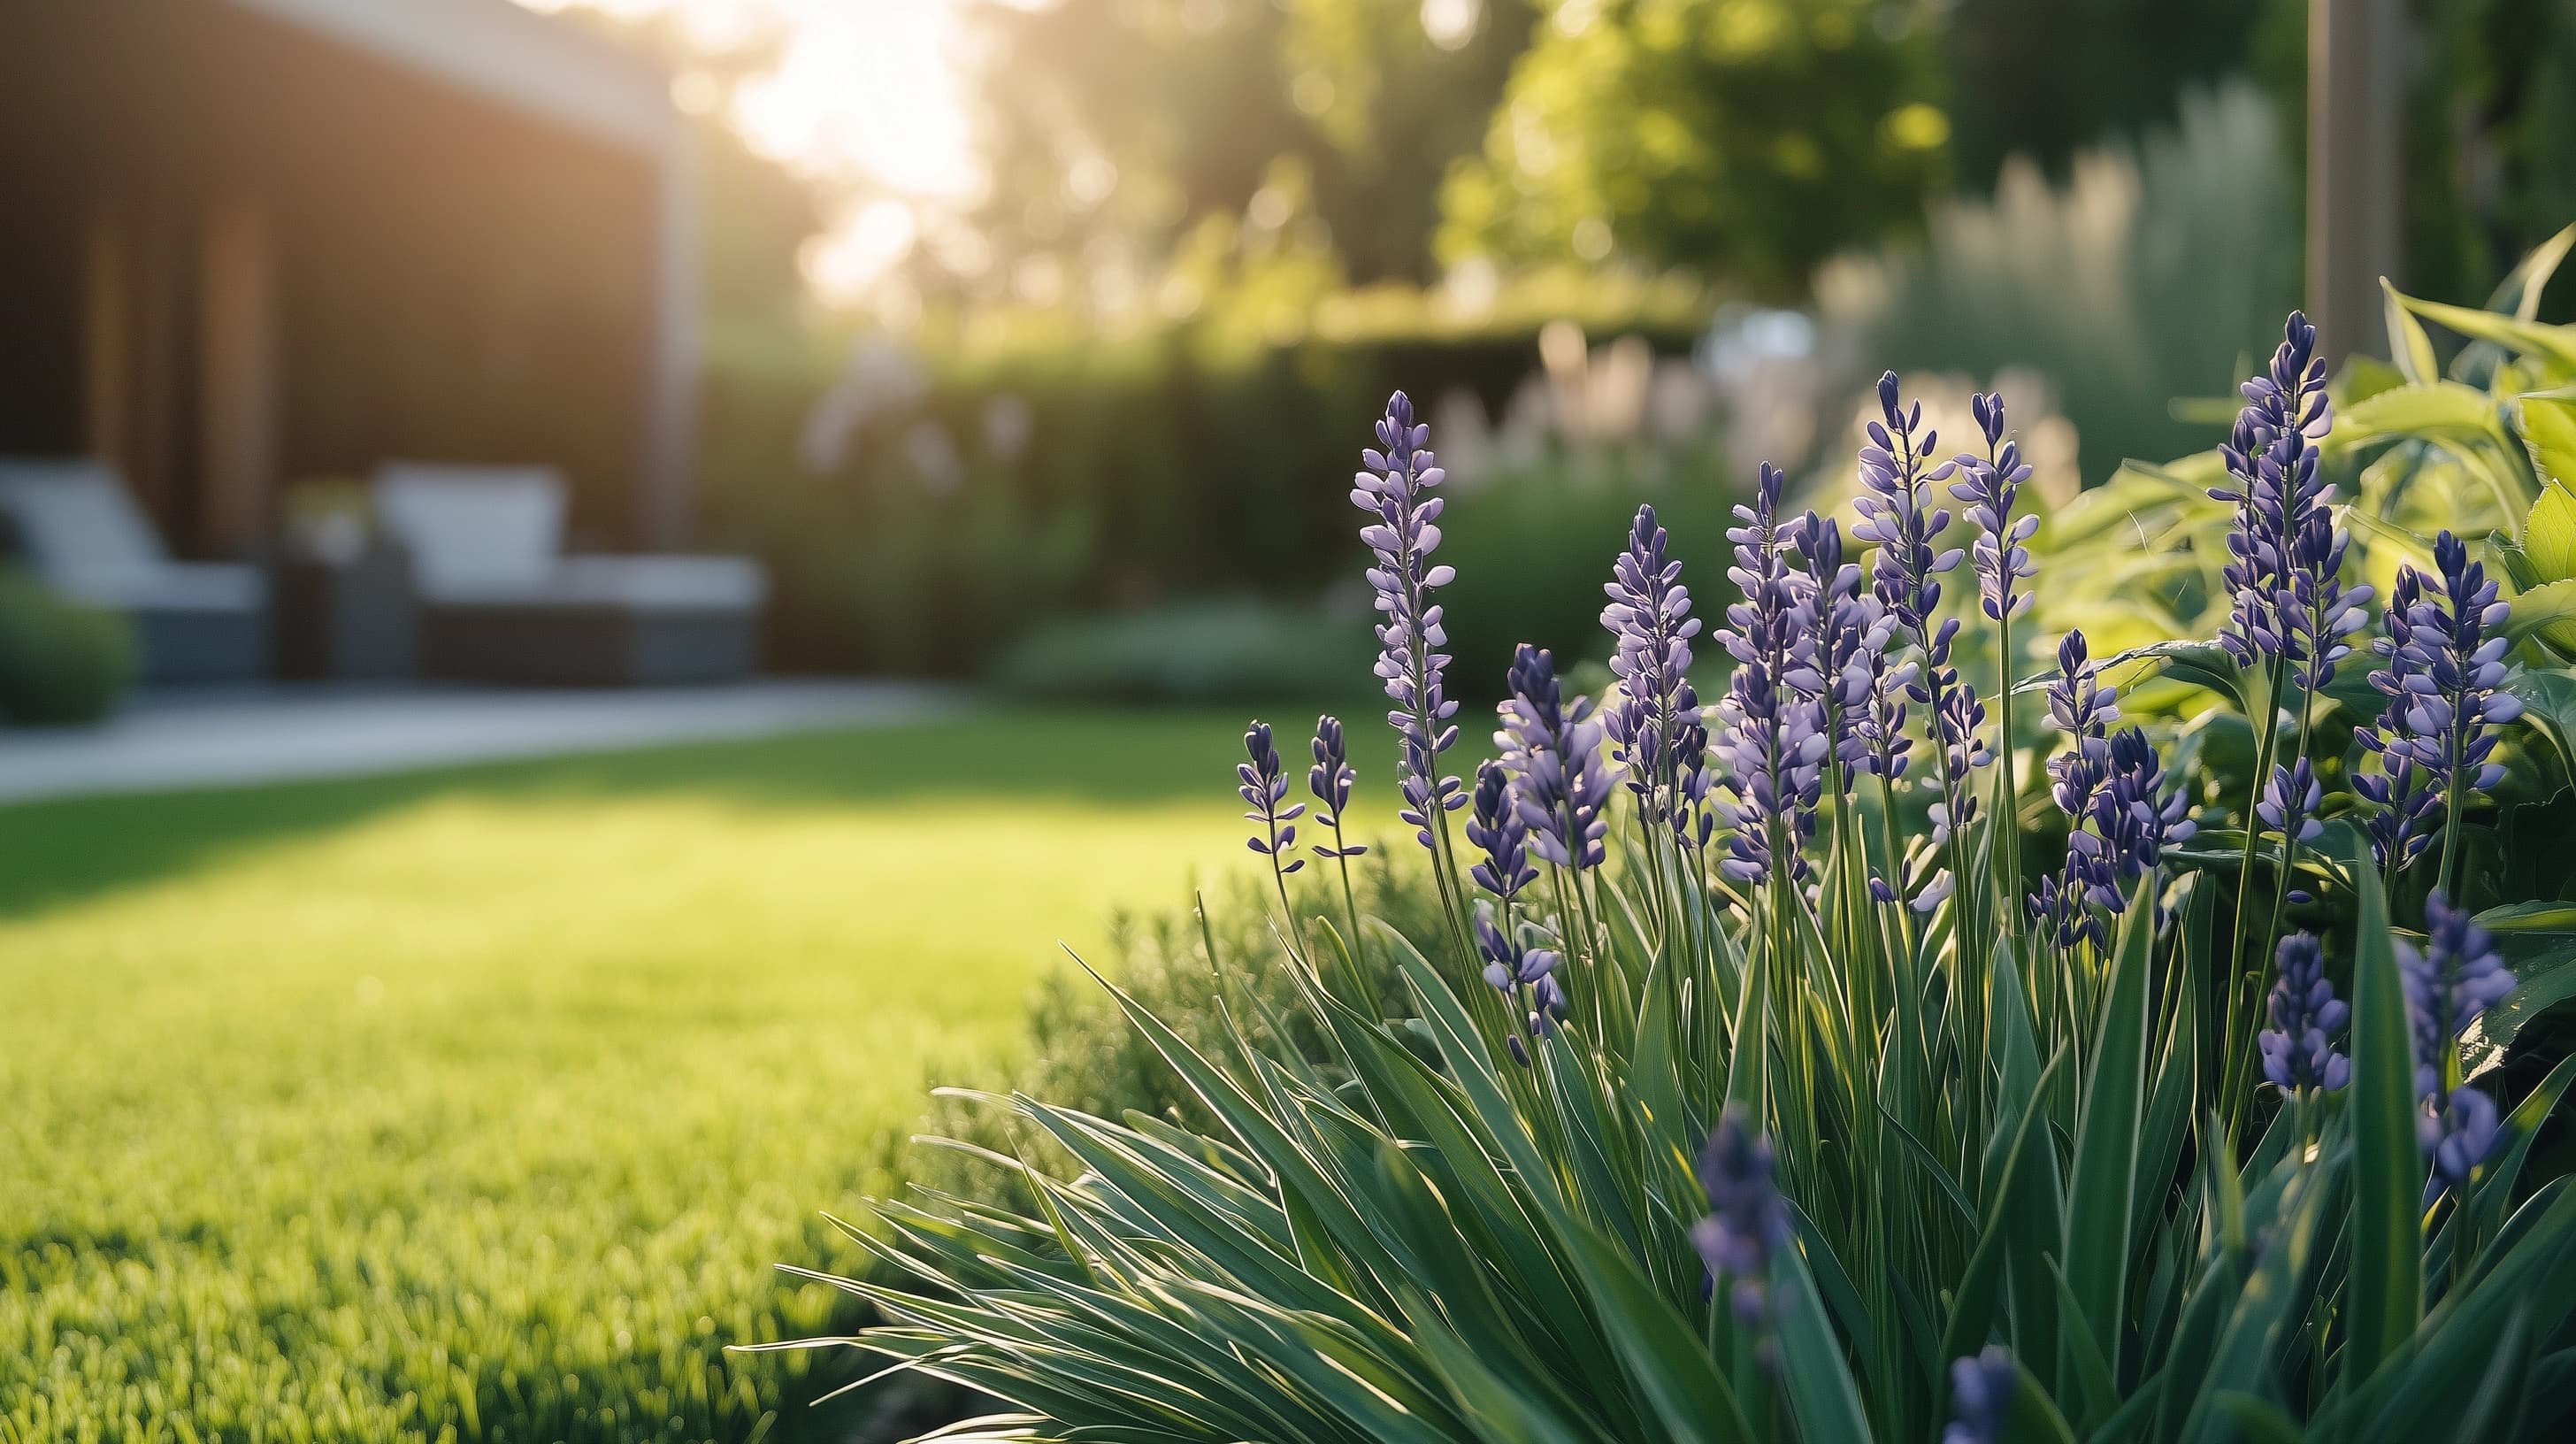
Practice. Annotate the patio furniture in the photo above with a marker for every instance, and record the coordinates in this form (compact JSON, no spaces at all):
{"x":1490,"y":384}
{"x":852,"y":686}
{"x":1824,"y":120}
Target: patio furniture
{"x":77,"y":526}
{"x":500,"y":602}
{"x":346,"y":618}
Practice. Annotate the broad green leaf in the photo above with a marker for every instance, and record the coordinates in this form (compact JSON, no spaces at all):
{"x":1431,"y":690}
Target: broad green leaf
{"x":2549,"y":429}
{"x":2549,"y":533}
{"x":2385,"y":1298}
{"x":2526,"y":338}
{"x":2261,"y":1420}
{"x":2199,"y":664}
{"x":2548,"y":610}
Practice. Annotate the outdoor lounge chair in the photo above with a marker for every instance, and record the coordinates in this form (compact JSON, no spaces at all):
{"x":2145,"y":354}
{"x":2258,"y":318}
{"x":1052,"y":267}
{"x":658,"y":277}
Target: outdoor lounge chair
{"x":500,"y":602}
{"x":77,"y":527}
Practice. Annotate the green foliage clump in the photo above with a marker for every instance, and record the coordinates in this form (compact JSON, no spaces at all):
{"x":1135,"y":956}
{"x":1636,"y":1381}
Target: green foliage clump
{"x":59,"y":661}
{"x":1750,"y":138}
{"x":1963,"y":1170}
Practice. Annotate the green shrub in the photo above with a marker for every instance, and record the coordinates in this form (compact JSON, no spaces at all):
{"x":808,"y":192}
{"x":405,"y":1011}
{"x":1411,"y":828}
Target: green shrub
{"x":1015,"y":467}
{"x":1232,"y":651}
{"x":2011,"y":1151}
{"x":59,"y":661}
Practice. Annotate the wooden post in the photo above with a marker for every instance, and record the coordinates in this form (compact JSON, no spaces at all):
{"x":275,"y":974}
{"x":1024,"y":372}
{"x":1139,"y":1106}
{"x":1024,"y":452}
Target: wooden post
{"x":237,"y":375}
{"x":2357,"y":87}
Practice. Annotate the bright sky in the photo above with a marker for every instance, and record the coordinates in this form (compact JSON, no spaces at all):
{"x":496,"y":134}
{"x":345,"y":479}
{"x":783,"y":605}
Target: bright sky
{"x":866,"y":89}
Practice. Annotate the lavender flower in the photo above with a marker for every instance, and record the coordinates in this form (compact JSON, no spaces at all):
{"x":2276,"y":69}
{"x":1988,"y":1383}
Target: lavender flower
{"x":1555,"y":752}
{"x":2445,"y":654}
{"x":1848,"y":652}
{"x":2273,"y":480}
{"x":1747,"y":1219}
{"x":1897,"y":513}
{"x":2460,"y":1134}
{"x":2305,"y":1015}
{"x":1265,"y":786}
{"x":1990,"y":484}
{"x":2456,"y":977}
{"x":1981,"y":1395}
{"x":2318,"y":613}
{"x":2290,"y":802}
{"x":1896,"y":510}
{"x":1649,"y":615}
{"x":1497,"y":829}
{"x":1395,"y":490}
{"x":1770,"y":735}
{"x":2080,"y":706}
{"x":2135,"y":816}
{"x":1330,"y":780}
{"x":1692,"y":820}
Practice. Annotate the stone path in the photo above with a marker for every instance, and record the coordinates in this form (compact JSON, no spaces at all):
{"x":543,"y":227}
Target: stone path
{"x":228,"y":738}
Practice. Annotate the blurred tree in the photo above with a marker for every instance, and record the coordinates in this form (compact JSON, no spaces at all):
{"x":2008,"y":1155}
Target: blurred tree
{"x":1747,"y":138}
{"x":2044,"y":77}
{"x":1112,"y":128}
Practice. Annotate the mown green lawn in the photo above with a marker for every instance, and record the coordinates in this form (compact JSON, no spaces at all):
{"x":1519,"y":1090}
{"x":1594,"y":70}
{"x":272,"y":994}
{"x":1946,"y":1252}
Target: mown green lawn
{"x":478,"y":1103}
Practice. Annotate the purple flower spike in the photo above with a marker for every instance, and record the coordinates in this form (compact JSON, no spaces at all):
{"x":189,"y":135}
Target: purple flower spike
{"x":1848,"y":654}
{"x":2445,"y":652}
{"x":1747,"y":1220}
{"x":1990,"y":484}
{"x":2318,"y":613}
{"x":1981,"y":1395}
{"x":1330,"y":780}
{"x":1554,"y":751}
{"x":2460,"y":1133}
{"x":1497,"y":828}
{"x":2080,"y":706}
{"x":1395,"y":491}
{"x":1649,"y":616}
{"x":2306,"y":1014}
{"x":1265,"y":786}
{"x":2290,"y":800}
{"x":1770,"y":733}
{"x":1897,"y":513}
{"x":2272,"y":478}
{"x":2457,"y":976}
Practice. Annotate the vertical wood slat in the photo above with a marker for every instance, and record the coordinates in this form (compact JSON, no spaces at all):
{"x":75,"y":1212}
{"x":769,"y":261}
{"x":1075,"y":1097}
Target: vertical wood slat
{"x":2357,"y":88}
{"x":237,"y":374}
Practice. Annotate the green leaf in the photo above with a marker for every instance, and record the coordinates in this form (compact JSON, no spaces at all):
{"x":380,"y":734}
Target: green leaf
{"x":2548,"y":610}
{"x":2415,"y":359}
{"x":1661,"y":1355}
{"x":2519,"y":292}
{"x":2199,"y":664}
{"x":2549,"y":429}
{"x":1821,"y":1391}
{"x":2523,"y":338}
{"x":2385,"y":1297}
{"x":2259,"y":1419}
{"x":2104,"y":1183}
{"x":2549,"y":533}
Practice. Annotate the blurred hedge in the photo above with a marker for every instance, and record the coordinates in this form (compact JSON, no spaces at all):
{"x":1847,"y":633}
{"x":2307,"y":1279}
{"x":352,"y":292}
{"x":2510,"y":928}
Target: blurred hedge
{"x":1032,"y":468}
{"x":60,"y":662}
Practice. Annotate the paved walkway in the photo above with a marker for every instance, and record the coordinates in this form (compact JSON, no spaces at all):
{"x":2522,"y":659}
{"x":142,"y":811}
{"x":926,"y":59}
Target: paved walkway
{"x":271,"y":734}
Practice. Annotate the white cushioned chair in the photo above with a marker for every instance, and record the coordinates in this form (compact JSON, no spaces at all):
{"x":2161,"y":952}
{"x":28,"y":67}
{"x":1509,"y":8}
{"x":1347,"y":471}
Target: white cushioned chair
{"x":75,"y":524}
{"x":500,"y":601}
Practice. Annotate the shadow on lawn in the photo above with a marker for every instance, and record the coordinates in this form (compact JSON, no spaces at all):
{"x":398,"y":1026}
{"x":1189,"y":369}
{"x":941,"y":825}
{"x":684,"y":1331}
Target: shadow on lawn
{"x":62,"y":851}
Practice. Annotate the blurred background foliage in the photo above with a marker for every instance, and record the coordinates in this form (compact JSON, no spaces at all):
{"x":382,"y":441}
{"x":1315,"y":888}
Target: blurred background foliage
{"x":1114,"y":386}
